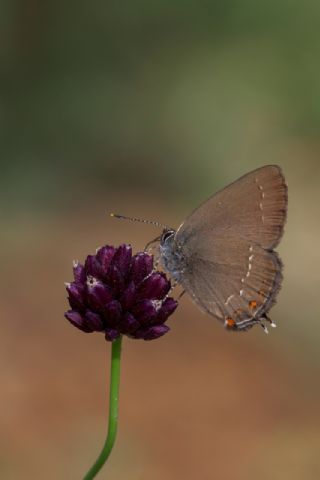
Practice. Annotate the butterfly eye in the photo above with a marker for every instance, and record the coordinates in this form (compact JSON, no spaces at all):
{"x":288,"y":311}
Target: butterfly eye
{"x":166,"y":234}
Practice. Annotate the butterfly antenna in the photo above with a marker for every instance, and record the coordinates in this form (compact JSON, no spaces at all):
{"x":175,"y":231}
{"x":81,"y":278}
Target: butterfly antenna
{"x":141,"y":220}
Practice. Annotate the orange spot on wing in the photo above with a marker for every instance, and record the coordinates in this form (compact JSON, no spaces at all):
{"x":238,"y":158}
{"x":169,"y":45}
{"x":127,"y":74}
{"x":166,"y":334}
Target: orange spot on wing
{"x":230,"y":323}
{"x":253,"y":304}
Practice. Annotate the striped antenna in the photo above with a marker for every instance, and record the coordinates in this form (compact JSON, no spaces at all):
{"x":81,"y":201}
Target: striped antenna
{"x":141,"y":220}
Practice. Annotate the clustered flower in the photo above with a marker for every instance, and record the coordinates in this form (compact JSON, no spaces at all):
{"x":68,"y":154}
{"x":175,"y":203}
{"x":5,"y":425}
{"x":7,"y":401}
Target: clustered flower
{"x":120,"y":294}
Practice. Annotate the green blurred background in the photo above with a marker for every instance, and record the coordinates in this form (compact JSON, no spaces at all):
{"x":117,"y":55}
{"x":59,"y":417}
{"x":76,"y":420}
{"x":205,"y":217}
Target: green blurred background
{"x":146,"y":108}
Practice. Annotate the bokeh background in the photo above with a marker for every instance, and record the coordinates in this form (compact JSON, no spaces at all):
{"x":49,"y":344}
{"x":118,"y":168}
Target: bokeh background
{"x":146,"y":108}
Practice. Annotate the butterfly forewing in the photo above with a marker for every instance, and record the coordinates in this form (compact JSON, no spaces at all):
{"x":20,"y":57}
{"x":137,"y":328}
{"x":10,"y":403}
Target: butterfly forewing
{"x":252,"y":208}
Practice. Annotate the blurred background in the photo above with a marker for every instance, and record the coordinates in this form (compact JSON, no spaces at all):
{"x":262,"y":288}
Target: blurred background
{"x":146,"y":108}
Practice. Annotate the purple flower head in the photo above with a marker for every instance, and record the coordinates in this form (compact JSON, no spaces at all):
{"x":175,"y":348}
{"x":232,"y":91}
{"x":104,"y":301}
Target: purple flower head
{"x":120,"y":294}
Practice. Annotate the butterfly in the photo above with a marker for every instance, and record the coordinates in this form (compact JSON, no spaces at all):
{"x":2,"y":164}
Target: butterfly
{"x":223,"y":253}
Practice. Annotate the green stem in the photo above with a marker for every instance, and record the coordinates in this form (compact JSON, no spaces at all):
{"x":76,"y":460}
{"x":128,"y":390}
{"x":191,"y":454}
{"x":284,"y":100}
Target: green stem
{"x":113,"y":410}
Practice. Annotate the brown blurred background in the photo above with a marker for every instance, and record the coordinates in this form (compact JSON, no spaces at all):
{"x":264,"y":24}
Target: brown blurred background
{"x":146,"y":108}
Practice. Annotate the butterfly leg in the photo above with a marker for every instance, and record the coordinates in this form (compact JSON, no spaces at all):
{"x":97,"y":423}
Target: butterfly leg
{"x":151,"y":242}
{"x":153,"y":251}
{"x":155,"y":265}
{"x":173,"y":286}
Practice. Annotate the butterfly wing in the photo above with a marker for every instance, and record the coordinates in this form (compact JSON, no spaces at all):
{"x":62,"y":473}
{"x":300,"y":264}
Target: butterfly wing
{"x":230,"y":269}
{"x":254,"y":208}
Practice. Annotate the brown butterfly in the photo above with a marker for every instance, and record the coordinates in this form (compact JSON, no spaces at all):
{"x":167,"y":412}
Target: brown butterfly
{"x":223,"y":253}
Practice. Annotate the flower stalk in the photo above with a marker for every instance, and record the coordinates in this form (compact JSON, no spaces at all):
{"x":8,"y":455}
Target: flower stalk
{"x":113,"y":410}
{"x":116,"y":293}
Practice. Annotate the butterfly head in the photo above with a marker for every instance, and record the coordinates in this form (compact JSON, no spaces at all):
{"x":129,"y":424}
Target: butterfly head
{"x":167,"y":236}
